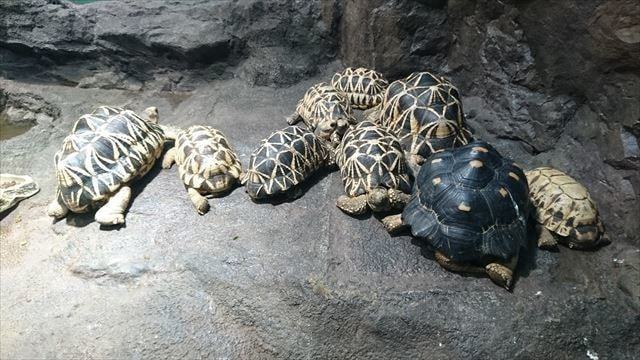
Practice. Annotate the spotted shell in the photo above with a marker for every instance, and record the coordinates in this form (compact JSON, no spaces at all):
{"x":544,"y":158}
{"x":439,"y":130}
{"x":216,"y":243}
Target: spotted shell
{"x":283,"y":160}
{"x":470,"y":203}
{"x":369,"y":156}
{"x":205,"y":160}
{"x":425,"y":112}
{"x":363,"y":88}
{"x":106,"y":149}
{"x":563,"y":205}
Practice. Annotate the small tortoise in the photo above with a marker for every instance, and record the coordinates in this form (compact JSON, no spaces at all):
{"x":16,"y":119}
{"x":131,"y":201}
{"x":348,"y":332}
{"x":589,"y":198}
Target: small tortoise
{"x":206,"y":163}
{"x":373,"y":170}
{"x":325,"y":112}
{"x":471,"y":205}
{"x":106,"y":151}
{"x":15,"y":188}
{"x":425,"y":112}
{"x":563,"y":206}
{"x":283,"y":160}
{"x":363,"y":88}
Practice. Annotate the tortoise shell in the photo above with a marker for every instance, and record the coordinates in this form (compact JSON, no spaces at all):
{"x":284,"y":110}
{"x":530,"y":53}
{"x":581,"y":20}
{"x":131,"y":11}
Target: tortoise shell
{"x":471,"y":204}
{"x":370,"y":156}
{"x":205,"y":160}
{"x":425,"y":112}
{"x":363,"y":88}
{"x":563,"y":205}
{"x":323,"y":103}
{"x":283,"y":160}
{"x":106,"y":149}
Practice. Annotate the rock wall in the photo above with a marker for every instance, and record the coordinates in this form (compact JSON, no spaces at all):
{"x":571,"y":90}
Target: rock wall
{"x":549,"y":82}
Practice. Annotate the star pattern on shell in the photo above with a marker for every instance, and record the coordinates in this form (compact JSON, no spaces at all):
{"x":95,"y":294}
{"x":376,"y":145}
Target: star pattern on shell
{"x":323,"y":103}
{"x":106,"y":149}
{"x":283,"y":160}
{"x":363,"y":88}
{"x":369,"y":156}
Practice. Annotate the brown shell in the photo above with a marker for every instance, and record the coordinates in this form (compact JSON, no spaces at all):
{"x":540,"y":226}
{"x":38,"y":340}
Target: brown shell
{"x":562,"y":204}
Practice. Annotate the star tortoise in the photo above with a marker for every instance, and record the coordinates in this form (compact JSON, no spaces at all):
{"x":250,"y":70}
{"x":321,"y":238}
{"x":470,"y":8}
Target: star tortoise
{"x":373,"y":170}
{"x":563,"y":206}
{"x":284,"y":160}
{"x":471,"y":205}
{"x":363,"y":88}
{"x":325,"y":112}
{"x":425,"y":112}
{"x":106,"y":151}
{"x":206,"y":163}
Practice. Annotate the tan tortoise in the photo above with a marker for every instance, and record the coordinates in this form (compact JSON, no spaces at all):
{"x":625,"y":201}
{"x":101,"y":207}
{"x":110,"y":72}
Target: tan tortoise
{"x":325,"y":112}
{"x":206,"y":163}
{"x":363,"y":88}
{"x":564,"y":207}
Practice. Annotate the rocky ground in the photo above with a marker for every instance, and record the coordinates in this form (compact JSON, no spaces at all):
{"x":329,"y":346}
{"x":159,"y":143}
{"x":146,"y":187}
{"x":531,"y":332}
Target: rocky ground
{"x":301,"y":279}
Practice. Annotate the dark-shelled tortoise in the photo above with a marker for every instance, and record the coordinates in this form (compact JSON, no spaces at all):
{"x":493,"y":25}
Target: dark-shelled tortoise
{"x":471,"y":206}
{"x":325,"y":112}
{"x":206,"y":163}
{"x":106,"y":151}
{"x":373,"y":170}
{"x":15,"y":188}
{"x":284,"y":160}
{"x":363,"y":88}
{"x":425,"y":112}
{"x":564,"y":207}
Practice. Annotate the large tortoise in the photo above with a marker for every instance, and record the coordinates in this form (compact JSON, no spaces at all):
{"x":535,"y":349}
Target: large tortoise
{"x":106,"y":151}
{"x":363,"y":88}
{"x":325,"y":112}
{"x":206,"y":163}
{"x":425,"y":112}
{"x":471,"y":206}
{"x":283,"y":161}
{"x":373,"y":170}
{"x":564,"y":207}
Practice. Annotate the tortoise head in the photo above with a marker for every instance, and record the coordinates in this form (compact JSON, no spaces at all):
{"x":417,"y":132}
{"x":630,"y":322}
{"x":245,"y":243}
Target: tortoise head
{"x":378,"y":200}
{"x":151,"y":114}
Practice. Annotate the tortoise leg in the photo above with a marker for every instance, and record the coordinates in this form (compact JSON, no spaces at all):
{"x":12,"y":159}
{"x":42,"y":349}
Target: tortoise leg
{"x":393,"y":223}
{"x":448,"y":264}
{"x":169,"y":158}
{"x":546,"y":240}
{"x":57,"y":209}
{"x":502,"y":273}
{"x":294,"y":118}
{"x":398,"y":199}
{"x":353,"y":205}
{"x":200,"y":202}
{"x":112,"y":213}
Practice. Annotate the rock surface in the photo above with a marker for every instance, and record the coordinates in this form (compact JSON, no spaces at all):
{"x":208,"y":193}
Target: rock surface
{"x":301,"y":279}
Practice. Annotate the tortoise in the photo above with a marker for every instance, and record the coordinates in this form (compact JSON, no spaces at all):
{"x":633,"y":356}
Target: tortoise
{"x":283,"y":160}
{"x":106,"y":151}
{"x":15,"y":188}
{"x":325,"y":112}
{"x":471,"y":205}
{"x":373,"y":170}
{"x":206,"y":163}
{"x":363,"y":88}
{"x":564,"y":207}
{"x":425,"y":112}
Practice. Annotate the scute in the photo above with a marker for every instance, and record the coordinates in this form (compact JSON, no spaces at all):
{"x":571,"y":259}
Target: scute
{"x":369,"y":156}
{"x":107,"y":148}
{"x":470,"y":215}
{"x":283,"y":160}
{"x":363,"y":88}
{"x":561,"y":203}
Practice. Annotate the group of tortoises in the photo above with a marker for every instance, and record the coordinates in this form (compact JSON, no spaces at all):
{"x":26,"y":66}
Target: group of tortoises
{"x":412,"y":159}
